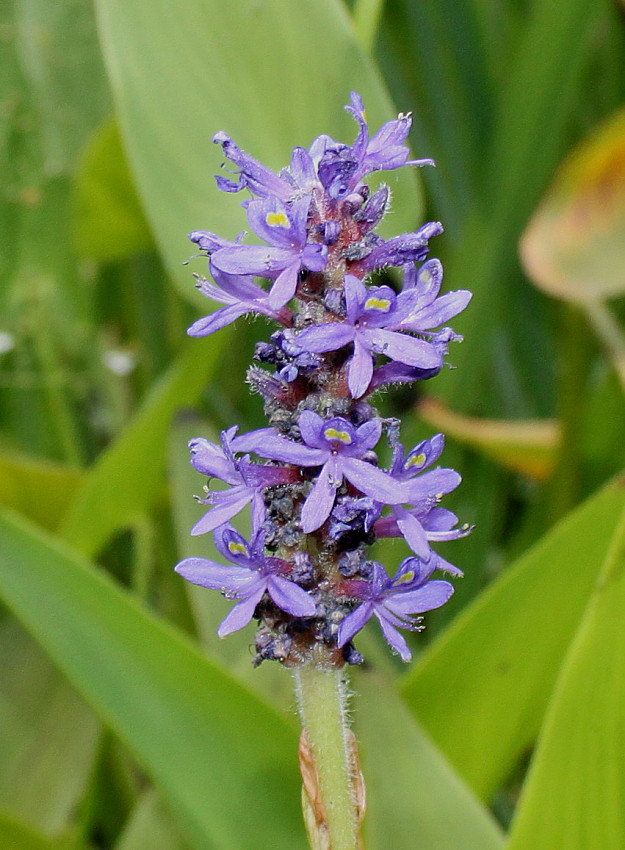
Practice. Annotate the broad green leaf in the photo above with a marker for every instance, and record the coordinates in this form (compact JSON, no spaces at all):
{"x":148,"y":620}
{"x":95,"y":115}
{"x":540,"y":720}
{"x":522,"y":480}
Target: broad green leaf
{"x":223,"y":759}
{"x":47,"y":754}
{"x":414,"y":798}
{"x":482,"y":689}
{"x":151,"y":826}
{"x":573,"y":246}
{"x":125,"y":479}
{"x":573,"y":796}
{"x":525,"y":446}
{"x":108,"y":220}
{"x":270,"y":73}
{"x":37,"y":488}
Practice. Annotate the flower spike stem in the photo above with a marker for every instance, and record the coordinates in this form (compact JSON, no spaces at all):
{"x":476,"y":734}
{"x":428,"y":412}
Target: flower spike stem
{"x":333,"y":791}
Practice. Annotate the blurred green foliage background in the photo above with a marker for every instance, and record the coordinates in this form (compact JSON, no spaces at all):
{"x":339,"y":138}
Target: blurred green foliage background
{"x":124,"y":722}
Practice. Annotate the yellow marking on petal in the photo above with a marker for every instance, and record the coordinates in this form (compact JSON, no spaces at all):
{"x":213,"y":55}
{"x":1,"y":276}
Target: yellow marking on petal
{"x":406,"y":578}
{"x":341,"y":436}
{"x":277,"y":219}
{"x":417,"y":460}
{"x":236,"y":548}
{"x":374,"y":303}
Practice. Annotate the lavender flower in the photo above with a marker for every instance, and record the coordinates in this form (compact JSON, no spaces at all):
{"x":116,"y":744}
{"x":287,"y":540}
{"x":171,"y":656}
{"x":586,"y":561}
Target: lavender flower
{"x":284,"y":230}
{"x":337,"y":447}
{"x":393,"y":601}
{"x":248,"y":480}
{"x":252,"y":576}
{"x":376,"y":321}
{"x":321,"y":496}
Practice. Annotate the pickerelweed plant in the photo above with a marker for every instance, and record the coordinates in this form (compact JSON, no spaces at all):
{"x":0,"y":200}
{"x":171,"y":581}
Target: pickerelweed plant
{"x":318,"y":495}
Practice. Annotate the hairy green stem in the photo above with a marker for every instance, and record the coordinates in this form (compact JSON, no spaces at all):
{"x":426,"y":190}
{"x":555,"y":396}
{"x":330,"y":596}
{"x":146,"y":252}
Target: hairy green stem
{"x":321,"y":695}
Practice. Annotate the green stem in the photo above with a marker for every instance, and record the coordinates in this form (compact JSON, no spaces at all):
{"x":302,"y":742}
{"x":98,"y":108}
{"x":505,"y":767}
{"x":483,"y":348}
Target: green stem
{"x":321,"y":696}
{"x":610,"y":334}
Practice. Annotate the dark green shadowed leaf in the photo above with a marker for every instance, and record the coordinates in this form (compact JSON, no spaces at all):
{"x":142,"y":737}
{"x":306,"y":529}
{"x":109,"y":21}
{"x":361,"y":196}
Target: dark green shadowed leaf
{"x":225,"y":761}
{"x":415,"y":799}
{"x":270,"y":73}
{"x":482,"y":689}
{"x":578,"y":766}
{"x":150,"y":826}
{"x":125,"y":479}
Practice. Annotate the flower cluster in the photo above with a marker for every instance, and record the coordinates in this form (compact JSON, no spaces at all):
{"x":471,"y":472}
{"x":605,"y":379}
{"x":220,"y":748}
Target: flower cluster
{"x":318,"y":493}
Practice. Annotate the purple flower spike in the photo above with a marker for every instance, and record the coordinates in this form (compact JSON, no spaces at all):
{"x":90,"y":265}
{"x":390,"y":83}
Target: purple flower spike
{"x":284,"y":230}
{"x":247,"y":480}
{"x":253,"y":575}
{"x":393,"y":601}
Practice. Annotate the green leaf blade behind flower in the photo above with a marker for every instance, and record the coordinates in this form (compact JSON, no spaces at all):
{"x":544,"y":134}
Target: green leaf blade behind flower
{"x":482,"y":689}
{"x":578,"y":765}
{"x":222,"y":757}
{"x":295,"y":66}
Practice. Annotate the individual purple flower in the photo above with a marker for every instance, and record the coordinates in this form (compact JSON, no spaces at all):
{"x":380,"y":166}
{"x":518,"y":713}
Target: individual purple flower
{"x":407,"y":248}
{"x":338,"y":447}
{"x":429,"y":310}
{"x":341,"y":167}
{"x":284,"y":230}
{"x":241,"y":296}
{"x":438,"y":525}
{"x":253,"y":575}
{"x":247,"y":480}
{"x":374,"y":323}
{"x":393,"y":601}
{"x":423,"y":491}
{"x":252,"y":175}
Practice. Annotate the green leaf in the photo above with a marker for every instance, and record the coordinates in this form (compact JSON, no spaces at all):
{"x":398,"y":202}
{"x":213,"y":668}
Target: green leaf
{"x":578,"y":766}
{"x":125,"y":480}
{"x":150,"y":825}
{"x":411,"y":789}
{"x":15,"y":835}
{"x":224,"y":760}
{"x":37,"y":488}
{"x":497,"y":664}
{"x":108,"y":220}
{"x":271,"y":73}
{"x":43,"y":791}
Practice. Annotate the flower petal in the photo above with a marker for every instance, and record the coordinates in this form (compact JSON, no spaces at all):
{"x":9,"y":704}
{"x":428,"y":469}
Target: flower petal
{"x":426,"y":598}
{"x":353,"y":623}
{"x":291,"y":598}
{"x":226,"y":505}
{"x":319,"y":503}
{"x":373,"y":481}
{"x":328,"y":337}
{"x":394,"y":638}
{"x":360,"y":369}
{"x":215,"y":576}
{"x":242,"y":613}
